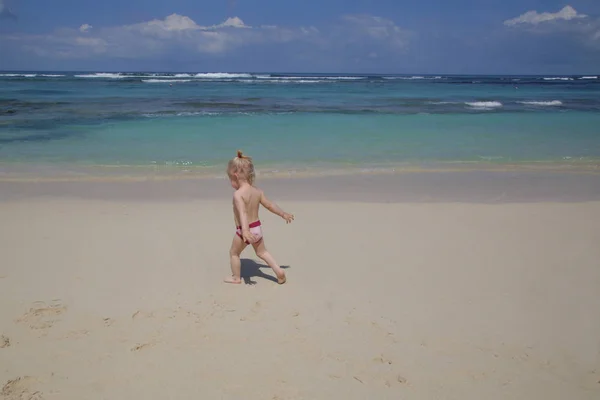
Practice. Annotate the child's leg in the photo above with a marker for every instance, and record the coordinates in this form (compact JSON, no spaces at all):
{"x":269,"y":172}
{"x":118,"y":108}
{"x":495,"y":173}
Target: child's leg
{"x":263,"y":254}
{"x":237,"y":246}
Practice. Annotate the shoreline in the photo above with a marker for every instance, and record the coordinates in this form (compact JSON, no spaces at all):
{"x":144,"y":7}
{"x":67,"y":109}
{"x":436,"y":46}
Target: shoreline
{"x":463,"y":186}
{"x":71,"y":172}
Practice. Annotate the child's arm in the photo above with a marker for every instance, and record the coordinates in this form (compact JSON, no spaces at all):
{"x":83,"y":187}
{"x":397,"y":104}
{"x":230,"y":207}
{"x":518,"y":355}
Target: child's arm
{"x":274,"y":208}
{"x":241,"y":207}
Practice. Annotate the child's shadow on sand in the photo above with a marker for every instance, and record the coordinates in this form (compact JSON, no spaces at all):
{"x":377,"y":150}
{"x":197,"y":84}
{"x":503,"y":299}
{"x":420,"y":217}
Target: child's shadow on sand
{"x":251,"y":269}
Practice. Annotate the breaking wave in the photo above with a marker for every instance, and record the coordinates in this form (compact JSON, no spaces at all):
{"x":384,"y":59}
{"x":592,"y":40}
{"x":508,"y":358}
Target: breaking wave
{"x":31,"y":75}
{"x":542,"y":103}
{"x":166,"y":80}
{"x":558,"y":78}
{"x":221,"y":75}
{"x":412,"y":78}
{"x":265,"y":77}
{"x":484,"y":104}
{"x":104,"y":75}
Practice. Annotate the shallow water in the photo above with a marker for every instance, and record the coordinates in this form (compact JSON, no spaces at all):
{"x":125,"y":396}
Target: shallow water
{"x":295,"y":121}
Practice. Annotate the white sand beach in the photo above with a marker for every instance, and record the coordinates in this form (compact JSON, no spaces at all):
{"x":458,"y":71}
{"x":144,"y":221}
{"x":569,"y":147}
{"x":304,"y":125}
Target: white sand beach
{"x":122,"y":298}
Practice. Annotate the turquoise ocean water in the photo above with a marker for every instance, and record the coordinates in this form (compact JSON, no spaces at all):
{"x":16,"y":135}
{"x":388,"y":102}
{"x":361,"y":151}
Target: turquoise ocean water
{"x":295,"y":121}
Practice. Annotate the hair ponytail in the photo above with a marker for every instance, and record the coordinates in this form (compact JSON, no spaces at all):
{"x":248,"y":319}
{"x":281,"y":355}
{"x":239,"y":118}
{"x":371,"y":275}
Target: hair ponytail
{"x":243,"y":165}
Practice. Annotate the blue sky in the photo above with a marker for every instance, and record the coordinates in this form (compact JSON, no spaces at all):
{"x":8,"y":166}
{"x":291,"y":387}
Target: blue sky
{"x":379,"y":36}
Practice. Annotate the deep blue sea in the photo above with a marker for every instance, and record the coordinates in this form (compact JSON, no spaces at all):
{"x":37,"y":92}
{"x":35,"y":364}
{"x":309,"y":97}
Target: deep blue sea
{"x":199,"y":120}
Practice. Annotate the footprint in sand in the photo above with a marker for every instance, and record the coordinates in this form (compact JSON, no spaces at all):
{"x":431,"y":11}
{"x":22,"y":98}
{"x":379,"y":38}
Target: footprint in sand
{"x":217,"y":310}
{"x":76,"y":334}
{"x":141,"y":314}
{"x":42,"y":316}
{"x":20,"y":389}
{"x":388,"y":381}
{"x":399,"y":379}
{"x":4,"y":342}
{"x":391,"y":377}
{"x":142,"y":346}
{"x":183,"y":313}
{"x":383,"y":360}
{"x":392,"y":380}
{"x":254,"y":311}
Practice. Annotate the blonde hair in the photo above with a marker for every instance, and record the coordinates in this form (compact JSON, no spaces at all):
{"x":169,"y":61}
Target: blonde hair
{"x":243,"y":166}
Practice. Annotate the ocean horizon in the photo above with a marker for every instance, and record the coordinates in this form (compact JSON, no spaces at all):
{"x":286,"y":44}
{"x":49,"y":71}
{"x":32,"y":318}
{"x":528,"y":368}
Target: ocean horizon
{"x":295,"y":122}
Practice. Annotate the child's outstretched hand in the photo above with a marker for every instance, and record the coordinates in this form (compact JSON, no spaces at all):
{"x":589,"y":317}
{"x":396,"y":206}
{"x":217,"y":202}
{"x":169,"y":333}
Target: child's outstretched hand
{"x":288,"y":217}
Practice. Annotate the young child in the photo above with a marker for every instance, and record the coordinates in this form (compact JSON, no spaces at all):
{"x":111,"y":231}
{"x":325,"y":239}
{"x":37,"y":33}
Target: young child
{"x":246,"y":202}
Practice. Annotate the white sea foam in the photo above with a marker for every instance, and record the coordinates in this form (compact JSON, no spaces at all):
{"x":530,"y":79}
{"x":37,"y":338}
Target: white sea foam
{"x":157,"y":76}
{"x":412,"y":78}
{"x":484,"y":104}
{"x":194,"y":113}
{"x":341,"y":78}
{"x":329,"y":78}
{"x":542,"y":103}
{"x":220,"y":75}
{"x":31,"y":75}
{"x":281,"y":81}
{"x":161,"y":76}
{"x":589,"y":77}
{"x":19,"y":75}
{"x":180,"y":114}
{"x":299,"y":81}
{"x":223,"y":76}
{"x":558,"y":78}
{"x":104,"y":75}
{"x":166,"y":80}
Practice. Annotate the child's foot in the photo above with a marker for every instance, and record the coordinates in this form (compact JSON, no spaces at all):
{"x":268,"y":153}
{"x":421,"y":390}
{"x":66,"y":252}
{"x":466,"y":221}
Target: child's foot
{"x":281,"y":279}
{"x":233,"y":279}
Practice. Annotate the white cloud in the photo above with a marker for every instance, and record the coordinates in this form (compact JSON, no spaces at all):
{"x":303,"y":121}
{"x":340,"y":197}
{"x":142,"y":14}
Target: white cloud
{"x":173,"y":22}
{"x":183,"y":31}
{"x":179,"y":34}
{"x":179,"y":23}
{"x":533,"y":17}
{"x":234,"y":22}
{"x":566,"y":23}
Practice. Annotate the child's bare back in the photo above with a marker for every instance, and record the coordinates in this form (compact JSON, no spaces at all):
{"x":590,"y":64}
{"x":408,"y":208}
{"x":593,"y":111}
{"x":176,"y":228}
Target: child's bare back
{"x":247,"y":200}
{"x":252,"y":198}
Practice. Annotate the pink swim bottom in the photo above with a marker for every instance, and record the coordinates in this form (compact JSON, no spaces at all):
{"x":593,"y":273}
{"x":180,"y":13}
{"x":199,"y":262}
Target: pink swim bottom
{"x":255,"y":229}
